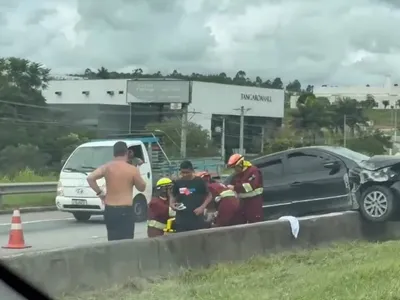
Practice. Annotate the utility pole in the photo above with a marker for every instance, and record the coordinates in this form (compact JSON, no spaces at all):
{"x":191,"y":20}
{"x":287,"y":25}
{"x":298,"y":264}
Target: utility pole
{"x":241,"y":146}
{"x":223,"y":140}
{"x":184,"y":130}
{"x":262,"y":139}
{"x":395,"y":126}
{"x":241,"y":138}
{"x":344,"y":131}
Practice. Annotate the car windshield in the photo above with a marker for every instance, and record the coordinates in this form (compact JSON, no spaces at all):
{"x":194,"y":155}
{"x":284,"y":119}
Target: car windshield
{"x":350,"y":154}
{"x":88,"y":159}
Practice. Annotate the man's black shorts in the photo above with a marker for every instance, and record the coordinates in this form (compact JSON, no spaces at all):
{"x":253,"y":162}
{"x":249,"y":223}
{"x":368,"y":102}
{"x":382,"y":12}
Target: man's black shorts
{"x":120,"y":222}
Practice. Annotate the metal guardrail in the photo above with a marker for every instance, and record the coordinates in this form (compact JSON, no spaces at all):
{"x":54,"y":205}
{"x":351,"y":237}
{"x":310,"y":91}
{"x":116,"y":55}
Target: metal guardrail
{"x":26,"y":188}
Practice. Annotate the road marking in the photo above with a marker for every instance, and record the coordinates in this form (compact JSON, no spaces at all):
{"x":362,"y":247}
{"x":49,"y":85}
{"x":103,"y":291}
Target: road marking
{"x":40,"y":221}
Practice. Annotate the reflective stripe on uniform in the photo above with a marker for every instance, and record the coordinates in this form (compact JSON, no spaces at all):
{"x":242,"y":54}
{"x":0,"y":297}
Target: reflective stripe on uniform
{"x":171,"y":212}
{"x":247,"y":187}
{"x":168,"y":228}
{"x":156,"y":224}
{"x":254,"y":193}
{"x":227,"y":193}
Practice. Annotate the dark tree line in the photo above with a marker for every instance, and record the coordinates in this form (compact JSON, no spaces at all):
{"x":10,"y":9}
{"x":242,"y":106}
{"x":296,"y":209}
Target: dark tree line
{"x":240,"y":78}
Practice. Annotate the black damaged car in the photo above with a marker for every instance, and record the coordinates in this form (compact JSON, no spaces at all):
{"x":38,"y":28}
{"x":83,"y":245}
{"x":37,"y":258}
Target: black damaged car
{"x":323,"y":179}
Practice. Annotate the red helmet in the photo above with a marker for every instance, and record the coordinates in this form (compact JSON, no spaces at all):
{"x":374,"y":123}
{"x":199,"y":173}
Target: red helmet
{"x":235,"y":160}
{"x":204,"y":175}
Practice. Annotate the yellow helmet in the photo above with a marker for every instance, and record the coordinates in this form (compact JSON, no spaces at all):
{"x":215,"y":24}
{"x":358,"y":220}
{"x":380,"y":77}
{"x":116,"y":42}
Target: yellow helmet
{"x":165,"y":181}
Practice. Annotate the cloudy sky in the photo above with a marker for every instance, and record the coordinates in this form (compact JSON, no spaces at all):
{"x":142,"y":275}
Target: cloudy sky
{"x":338,"y":42}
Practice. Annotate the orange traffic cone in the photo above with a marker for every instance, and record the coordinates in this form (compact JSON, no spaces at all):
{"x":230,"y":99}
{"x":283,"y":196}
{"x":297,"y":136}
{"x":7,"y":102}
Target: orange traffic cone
{"x":16,"y":237}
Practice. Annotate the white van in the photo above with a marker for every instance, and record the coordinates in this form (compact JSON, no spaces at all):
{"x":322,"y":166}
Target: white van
{"x":74,"y":194}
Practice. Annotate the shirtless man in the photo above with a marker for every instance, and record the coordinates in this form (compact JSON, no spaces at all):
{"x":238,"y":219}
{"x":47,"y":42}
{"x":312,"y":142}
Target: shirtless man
{"x":120,"y":178}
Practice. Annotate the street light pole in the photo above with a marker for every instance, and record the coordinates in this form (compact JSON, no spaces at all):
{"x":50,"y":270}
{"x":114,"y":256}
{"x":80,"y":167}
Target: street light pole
{"x":184,"y":131}
{"x":344,"y":131}
{"x":241,"y":134}
{"x":395,"y":126}
{"x":223,"y":140}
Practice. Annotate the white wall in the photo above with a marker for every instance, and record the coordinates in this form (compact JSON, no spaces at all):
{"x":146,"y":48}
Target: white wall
{"x":71,"y":91}
{"x":214,"y":98}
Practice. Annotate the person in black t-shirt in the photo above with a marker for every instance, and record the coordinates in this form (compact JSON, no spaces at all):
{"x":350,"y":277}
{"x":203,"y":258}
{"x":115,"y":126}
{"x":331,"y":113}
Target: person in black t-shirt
{"x":191,"y":193}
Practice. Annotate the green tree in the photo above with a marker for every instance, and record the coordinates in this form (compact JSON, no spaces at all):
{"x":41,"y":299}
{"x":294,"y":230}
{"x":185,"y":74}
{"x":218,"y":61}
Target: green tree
{"x":385,"y":103}
{"x":103,"y":73}
{"x":311,"y":116}
{"x":369,"y":102}
{"x":277,"y":83}
{"x":294,"y":86}
{"x":16,"y":158}
{"x":29,"y":129}
{"x":21,"y":100}
{"x":349,"y":111}
{"x":310,"y":89}
{"x":198,"y":140}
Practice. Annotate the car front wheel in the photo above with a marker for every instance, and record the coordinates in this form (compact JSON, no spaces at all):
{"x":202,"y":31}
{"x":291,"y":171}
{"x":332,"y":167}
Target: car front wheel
{"x":377,"y":204}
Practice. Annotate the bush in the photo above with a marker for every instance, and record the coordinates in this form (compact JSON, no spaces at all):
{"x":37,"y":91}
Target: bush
{"x":27,"y":175}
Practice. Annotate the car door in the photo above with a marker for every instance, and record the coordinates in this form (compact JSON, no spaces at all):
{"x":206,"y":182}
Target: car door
{"x":314,"y":185}
{"x":276,"y":188}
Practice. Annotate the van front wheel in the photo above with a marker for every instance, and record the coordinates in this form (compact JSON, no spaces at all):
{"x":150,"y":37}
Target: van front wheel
{"x":140,"y":208}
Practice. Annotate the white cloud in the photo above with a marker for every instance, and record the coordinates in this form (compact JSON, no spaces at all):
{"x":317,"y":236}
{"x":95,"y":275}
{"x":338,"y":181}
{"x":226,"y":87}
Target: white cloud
{"x":316,"y":41}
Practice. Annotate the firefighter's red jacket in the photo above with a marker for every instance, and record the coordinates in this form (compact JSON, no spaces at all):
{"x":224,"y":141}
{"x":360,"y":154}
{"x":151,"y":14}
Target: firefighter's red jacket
{"x":248,"y":183}
{"x":228,"y":205}
{"x":158,"y":213}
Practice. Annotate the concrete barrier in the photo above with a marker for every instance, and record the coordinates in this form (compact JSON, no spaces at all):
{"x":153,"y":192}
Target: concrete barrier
{"x":103,"y":265}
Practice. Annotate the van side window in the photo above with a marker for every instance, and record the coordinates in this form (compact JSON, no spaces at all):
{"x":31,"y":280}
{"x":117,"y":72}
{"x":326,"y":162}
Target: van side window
{"x":135,"y":153}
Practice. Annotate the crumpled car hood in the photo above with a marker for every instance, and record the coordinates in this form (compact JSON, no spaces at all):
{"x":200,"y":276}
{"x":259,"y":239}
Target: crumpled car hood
{"x":380,"y":161}
{"x":379,"y":168}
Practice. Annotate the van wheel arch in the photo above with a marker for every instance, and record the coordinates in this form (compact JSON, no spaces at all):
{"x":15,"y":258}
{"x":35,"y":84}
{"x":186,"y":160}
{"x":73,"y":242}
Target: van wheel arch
{"x":140,"y":208}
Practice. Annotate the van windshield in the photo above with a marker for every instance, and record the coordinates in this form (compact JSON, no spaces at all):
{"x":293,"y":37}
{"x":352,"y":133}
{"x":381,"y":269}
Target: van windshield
{"x":86,"y":159}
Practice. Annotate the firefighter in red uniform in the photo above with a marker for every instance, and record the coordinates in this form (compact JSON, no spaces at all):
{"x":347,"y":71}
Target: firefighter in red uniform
{"x":158,"y":209}
{"x":227,"y":204}
{"x":247,"y":182}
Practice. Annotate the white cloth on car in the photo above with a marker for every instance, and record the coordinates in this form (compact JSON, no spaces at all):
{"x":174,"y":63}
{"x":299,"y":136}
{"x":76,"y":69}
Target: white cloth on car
{"x":294,"y":224}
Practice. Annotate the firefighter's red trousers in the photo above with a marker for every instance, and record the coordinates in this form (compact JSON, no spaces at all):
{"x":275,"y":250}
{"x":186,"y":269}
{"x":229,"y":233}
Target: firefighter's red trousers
{"x":252,"y":210}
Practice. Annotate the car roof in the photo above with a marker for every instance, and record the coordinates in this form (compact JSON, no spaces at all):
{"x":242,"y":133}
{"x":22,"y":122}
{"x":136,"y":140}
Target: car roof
{"x":326,"y":148}
{"x":110,"y":143}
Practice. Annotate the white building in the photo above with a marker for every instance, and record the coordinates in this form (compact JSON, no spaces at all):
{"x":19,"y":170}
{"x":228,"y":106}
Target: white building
{"x":388,"y":92}
{"x":222,"y":99}
{"x":124,"y":105}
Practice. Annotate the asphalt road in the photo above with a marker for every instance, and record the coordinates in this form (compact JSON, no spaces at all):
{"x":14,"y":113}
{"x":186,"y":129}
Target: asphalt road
{"x":54,"y":230}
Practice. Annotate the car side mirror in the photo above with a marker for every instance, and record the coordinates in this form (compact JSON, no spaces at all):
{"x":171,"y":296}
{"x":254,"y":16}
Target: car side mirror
{"x":333,"y":165}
